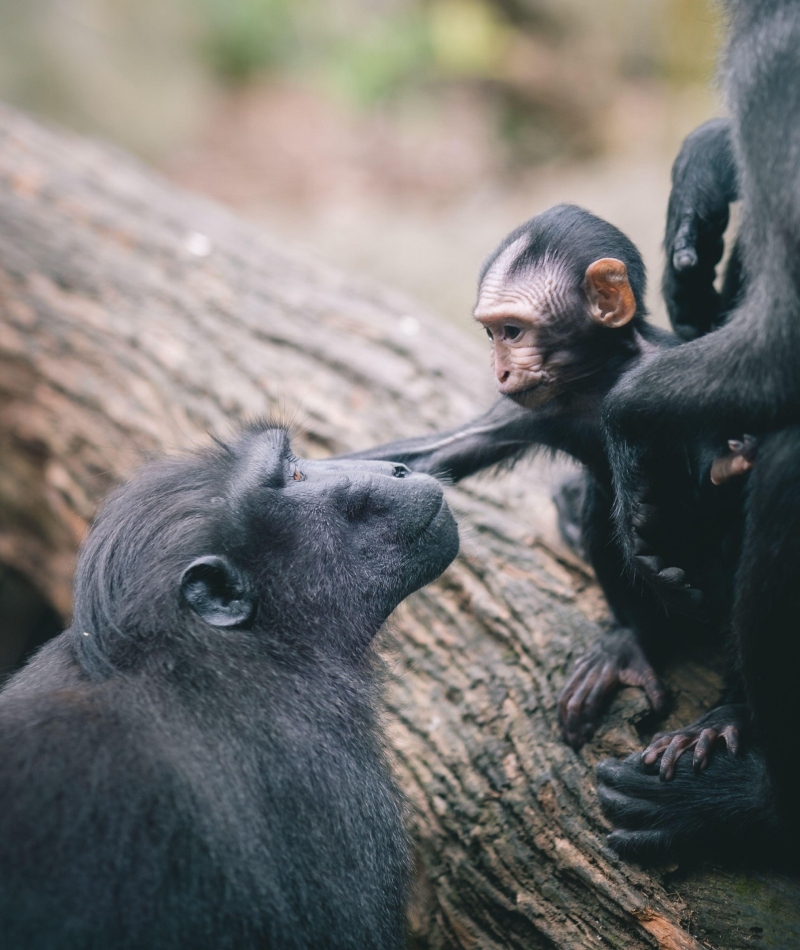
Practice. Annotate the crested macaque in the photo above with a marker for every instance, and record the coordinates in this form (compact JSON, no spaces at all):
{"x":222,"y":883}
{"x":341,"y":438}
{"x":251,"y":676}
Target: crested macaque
{"x":744,"y":377}
{"x":562,"y":301}
{"x":197,"y":761}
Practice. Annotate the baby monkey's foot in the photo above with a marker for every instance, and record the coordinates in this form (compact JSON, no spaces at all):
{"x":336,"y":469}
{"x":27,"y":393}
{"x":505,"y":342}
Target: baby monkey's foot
{"x":723,"y":724}
{"x":615,"y":660}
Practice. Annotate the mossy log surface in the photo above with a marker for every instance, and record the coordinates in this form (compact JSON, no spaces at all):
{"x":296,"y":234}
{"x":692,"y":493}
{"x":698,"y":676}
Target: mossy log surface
{"x":135,"y":319}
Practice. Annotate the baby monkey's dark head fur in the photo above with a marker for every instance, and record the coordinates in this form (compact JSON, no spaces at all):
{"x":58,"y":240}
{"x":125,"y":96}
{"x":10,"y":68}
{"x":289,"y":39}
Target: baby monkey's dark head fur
{"x":562,"y":299}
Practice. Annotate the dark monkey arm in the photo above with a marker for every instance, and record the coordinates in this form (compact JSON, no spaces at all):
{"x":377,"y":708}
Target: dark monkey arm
{"x":704,"y":183}
{"x":725,"y":383}
{"x":501,"y":434}
{"x":625,"y":653}
{"x":622,"y":654}
{"x":745,"y":376}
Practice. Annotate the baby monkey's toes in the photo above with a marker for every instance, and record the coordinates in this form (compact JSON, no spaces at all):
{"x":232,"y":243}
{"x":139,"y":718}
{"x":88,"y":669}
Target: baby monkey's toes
{"x":721,"y":726}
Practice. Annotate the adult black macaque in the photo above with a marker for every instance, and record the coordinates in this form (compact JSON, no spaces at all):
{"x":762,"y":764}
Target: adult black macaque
{"x":196,"y":762}
{"x":743,"y":377}
{"x":562,"y":299}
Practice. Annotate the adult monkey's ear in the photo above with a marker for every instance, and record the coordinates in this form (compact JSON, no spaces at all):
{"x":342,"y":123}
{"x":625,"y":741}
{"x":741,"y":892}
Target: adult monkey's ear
{"x":609,"y":292}
{"x":218,"y":592}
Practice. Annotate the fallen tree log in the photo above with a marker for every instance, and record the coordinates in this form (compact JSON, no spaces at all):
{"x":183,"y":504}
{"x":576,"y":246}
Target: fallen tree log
{"x":135,"y":319}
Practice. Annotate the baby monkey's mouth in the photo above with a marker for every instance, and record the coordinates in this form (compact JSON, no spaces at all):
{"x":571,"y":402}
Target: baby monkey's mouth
{"x":534,"y":395}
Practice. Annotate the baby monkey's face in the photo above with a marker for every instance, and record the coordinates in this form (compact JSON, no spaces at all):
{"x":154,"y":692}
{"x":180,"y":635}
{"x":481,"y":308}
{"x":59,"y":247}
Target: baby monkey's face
{"x":535,"y":317}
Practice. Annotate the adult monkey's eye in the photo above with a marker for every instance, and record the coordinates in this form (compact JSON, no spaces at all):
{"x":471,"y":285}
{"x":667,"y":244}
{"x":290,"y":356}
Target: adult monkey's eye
{"x":298,"y":476}
{"x":511,"y":333}
{"x":489,"y":333}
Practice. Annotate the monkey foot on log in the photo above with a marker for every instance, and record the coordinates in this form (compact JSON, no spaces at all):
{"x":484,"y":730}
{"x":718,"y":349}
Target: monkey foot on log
{"x":135,"y":318}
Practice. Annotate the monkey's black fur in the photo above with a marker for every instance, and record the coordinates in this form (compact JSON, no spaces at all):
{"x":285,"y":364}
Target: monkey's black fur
{"x":703,"y":533}
{"x":591,"y":359}
{"x":742,"y":378}
{"x":197,"y":762}
{"x":651,"y":816}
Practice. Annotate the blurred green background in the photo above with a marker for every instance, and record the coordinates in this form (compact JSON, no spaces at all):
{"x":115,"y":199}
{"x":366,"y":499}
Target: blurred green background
{"x":401,"y":138}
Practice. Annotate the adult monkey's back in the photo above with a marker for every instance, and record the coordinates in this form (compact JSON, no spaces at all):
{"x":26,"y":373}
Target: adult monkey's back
{"x":744,"y":377}
{"x":196,"y":762}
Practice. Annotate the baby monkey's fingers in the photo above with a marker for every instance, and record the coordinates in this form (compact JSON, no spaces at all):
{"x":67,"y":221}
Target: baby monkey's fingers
{"x":737,"y":462}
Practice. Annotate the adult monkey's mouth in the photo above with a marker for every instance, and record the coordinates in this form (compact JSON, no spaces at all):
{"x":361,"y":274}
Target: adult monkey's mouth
{"x":430,"y":523}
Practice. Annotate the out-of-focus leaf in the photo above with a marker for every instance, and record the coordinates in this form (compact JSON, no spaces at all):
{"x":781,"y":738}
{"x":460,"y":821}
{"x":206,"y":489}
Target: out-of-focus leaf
{"x":469,"y":37}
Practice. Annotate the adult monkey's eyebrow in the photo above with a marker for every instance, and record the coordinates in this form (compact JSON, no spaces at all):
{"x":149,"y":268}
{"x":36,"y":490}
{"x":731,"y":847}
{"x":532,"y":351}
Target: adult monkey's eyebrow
{"x":266,"y":463}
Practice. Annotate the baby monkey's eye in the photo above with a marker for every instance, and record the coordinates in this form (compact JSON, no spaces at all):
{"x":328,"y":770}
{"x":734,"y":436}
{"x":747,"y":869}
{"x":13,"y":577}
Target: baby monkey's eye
{"x":511,"y":333}
{"x":489,"y":333}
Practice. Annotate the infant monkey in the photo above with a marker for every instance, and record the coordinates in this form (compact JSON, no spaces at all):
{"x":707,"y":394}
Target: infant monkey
{"x":562,"y":301}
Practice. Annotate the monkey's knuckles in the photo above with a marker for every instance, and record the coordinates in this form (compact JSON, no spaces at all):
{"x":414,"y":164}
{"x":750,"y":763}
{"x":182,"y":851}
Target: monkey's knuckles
{"x":627,"y":792}
{"x":669,"y":582}
{"x":739,"y":461}
{"x":645,"y":526}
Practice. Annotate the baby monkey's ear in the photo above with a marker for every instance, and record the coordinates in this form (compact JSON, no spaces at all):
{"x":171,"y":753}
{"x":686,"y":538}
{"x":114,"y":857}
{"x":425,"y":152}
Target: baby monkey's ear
{"x":608,"y":290}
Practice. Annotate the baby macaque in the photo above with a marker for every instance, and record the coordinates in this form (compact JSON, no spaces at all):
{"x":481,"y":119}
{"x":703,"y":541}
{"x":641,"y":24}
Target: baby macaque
{"x":562,"y":301}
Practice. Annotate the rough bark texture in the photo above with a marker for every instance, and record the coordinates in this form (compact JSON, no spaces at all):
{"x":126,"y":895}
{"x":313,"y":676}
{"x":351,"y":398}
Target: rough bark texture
{"x":134,"y":319}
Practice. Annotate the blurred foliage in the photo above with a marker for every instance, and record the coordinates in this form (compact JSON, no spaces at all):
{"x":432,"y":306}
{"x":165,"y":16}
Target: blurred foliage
{"x":546,"y":67}
{"x":375,"y":49}
{"x":243,"y":37}
{"x":142,"y":70}
{"x":469,"y":38}
{"x":378,"y":60}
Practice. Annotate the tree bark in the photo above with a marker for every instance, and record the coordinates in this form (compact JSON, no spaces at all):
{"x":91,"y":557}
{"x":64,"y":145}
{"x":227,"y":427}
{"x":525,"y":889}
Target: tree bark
{"x":135,"y":319}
